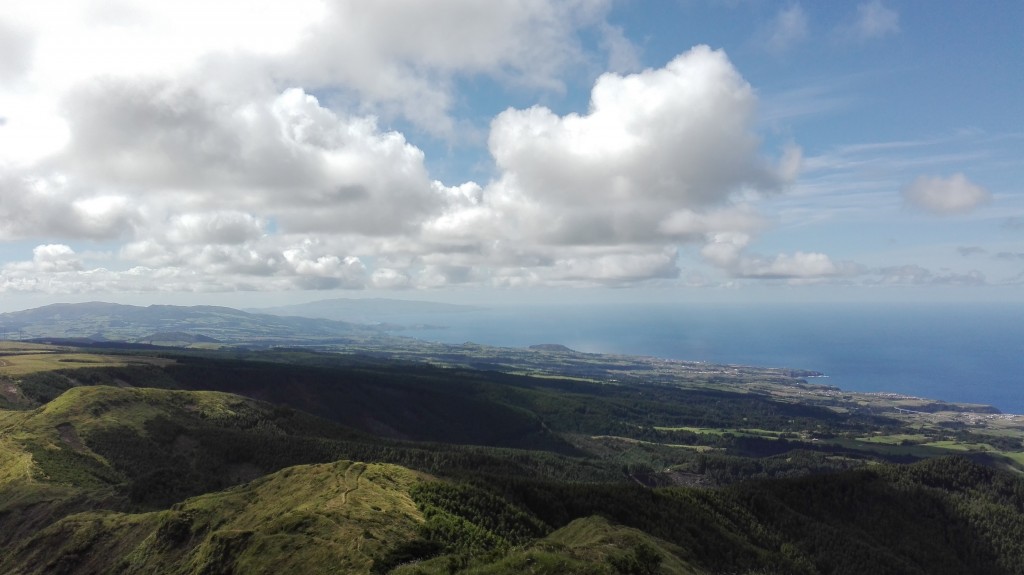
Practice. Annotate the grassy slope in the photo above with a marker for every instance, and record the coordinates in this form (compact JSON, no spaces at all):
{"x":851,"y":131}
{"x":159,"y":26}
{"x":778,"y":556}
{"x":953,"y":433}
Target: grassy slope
{"x":112,"y":448}
{"x":327,"y":518}
{"x":51,"y":463}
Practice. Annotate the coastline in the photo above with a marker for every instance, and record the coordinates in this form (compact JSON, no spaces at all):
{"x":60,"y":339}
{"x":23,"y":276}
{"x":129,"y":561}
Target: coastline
{"x":966,"y":355}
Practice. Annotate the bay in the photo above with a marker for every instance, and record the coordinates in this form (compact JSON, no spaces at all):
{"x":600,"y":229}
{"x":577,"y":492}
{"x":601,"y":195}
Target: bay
{"x":962,"y":353}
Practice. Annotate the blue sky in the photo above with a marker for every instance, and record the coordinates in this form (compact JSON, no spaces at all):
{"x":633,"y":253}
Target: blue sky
{"x":585,"y":150}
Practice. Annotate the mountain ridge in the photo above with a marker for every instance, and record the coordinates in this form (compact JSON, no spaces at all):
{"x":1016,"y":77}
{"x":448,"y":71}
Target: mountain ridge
{"x":366,"y":310}
{"x":110,"y":321}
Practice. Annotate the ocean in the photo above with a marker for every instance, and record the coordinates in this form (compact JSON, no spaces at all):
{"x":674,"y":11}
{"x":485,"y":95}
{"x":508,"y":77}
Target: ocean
{"x":965,"y":353}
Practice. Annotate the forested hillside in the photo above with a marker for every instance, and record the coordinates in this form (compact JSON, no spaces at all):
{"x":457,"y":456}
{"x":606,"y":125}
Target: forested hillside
{"x":289,"y":461}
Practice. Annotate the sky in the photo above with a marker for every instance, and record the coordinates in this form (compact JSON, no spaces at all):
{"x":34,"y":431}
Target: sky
{"x":264,"y":152}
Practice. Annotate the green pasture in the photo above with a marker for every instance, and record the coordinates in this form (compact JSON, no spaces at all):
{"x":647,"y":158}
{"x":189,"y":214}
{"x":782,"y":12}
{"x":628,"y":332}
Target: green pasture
{"x":741,"y":431}
{"x":895,"y":439}
{"x":36,"y":361}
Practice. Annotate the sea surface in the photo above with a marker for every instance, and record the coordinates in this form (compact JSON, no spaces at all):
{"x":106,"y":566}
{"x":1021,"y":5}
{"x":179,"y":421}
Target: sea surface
{"x":972,"y":354}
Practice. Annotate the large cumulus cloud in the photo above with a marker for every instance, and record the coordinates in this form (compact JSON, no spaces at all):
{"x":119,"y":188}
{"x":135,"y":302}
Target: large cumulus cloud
{"x":654,"y":145}
{"x":663,"y":157}
{"x":286,"y":154}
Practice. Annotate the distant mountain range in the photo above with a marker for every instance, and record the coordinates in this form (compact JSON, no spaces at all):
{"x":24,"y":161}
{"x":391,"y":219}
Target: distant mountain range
{"x":99,"y":321}
{"x":369,"y":310}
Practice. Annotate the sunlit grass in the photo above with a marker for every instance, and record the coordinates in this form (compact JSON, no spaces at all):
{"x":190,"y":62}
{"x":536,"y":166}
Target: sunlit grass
{"x":895,"y":439}
{"x":1017,"y":457}
{"x":15,"y":463}
{"x":8,"y":346}
{"x":960,"y":446}
{"x":745,"y":431}
{"x":36,"y":361}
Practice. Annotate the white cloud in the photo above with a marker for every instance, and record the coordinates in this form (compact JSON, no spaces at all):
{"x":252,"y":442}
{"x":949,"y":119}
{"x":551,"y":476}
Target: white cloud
{"x":311,"y":168}
{"x":393,"y":57}
{"x":874,"y":20}
{"x":728,"y":251}
{"x":325,"y":271}
{"x":215,"y":228}
{"x":52,"y":265}
{"x":662,"y":157}
{"x":254,"y":156}
{"x":55,"y":258}
{"x":616,"y":269}
{"x":623,"y":54}
{"x":402,"y":55}
{"x":788,"y":28}
{"x":725,"y":249}
{"x":797,"y":265}
{"x":40,"y":206}
{"x":689,"y":223}
{"x":912,"y":274}
{"x":56,"y":46}
{"x":945,"y":196}
{"x":17,"y":46}
{"x":387,"y":278}
{"x":146,"y":152}
{"x":652,"y":144}
{"x":100,"y":216}
{"x":437,"y":276}
{"x":105,"y":37}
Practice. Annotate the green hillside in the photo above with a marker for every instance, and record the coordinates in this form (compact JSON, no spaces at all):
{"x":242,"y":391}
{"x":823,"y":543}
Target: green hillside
{"x":327,"y":518}
{"x":587,"y":546}
{"x":287,"y":461}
